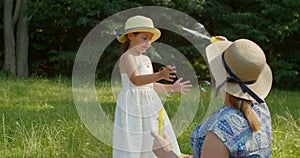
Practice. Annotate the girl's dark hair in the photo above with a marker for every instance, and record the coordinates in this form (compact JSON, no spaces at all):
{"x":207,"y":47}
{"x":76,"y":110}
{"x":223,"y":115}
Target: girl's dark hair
{"x":124,"y":47}
{"x":245,"y":107}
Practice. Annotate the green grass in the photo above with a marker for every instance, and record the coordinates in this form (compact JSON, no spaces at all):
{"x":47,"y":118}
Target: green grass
{"x":285,"y":110}
{"x":39,"y":119}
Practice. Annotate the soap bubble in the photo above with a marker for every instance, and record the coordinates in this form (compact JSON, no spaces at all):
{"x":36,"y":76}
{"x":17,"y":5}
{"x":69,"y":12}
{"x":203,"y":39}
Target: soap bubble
{"x":204,"y":86}
{"x":169,"y":94}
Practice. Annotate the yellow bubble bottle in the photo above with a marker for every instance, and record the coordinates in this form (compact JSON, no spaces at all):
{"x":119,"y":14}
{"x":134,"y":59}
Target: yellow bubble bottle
{"x":161,"y":120}
{"x":214,"y":39}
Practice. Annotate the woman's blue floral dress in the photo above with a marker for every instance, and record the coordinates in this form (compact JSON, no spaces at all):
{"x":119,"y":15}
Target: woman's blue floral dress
{"x":231,"y":126}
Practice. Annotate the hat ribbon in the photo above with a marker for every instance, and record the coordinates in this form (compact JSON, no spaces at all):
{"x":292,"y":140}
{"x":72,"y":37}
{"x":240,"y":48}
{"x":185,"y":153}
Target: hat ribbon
{"x":235,"y":79}
{"x":133,"y":28}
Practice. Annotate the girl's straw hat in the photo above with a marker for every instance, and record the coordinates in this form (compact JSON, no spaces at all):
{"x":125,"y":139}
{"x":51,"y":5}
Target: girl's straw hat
{"x":240,"y":68}
{"x":139,"y":24}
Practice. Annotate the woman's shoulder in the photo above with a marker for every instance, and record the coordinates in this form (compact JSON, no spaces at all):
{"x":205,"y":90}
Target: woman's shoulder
{"x":261,"y":109}
{"x":226,"y":112}
{"x":223,"y":113}
{"x":232,"y":127}
{"x":233,"y":118}
{"x":224,"y":116}
{"x":229,"y":119}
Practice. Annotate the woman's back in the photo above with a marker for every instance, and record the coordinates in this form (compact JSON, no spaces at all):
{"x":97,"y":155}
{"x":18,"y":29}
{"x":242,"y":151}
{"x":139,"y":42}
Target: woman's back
{"x":232,"y":128}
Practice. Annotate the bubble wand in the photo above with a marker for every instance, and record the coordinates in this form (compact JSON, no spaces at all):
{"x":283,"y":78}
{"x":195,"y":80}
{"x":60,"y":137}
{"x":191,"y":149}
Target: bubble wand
{"x":202,"y":33}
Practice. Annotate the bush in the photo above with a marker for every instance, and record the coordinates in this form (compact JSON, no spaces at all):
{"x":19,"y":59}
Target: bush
{"x":285,"y":74}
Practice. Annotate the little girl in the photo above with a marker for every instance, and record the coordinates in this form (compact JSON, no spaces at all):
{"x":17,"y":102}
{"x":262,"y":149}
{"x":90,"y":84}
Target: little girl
{"x":138,"y":103}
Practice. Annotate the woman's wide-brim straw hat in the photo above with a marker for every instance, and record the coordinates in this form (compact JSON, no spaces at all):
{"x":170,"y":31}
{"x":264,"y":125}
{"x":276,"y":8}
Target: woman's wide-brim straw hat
{"x":247,"y":61}
{"x":139,"y":24}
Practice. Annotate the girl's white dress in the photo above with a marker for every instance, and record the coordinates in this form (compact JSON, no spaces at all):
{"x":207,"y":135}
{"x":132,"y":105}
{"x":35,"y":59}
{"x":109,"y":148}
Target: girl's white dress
{"x":136,"y":116}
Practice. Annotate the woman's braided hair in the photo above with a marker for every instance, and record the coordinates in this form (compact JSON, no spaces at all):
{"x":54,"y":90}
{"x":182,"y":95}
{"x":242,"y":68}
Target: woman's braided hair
{"x":245,"y":107}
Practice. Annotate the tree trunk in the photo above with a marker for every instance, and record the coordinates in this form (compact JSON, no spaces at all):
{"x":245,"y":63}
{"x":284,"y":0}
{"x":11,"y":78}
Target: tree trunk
{"x":22,"y":41}
{"x":16,"y":38}
{"x":9,"y":38}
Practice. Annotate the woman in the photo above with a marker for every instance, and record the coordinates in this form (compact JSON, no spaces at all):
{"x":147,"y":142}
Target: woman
{"x":242,"y":126}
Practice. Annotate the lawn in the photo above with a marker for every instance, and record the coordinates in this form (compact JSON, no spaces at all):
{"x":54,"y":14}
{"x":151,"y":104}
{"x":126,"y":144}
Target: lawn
{"x":39,"y":119}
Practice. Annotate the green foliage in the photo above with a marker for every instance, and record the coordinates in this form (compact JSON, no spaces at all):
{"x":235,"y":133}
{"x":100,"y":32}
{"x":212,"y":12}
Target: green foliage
{"x":188,"y":50}
{"x":58,"y":27}
{"x":273,"y":24}
{"x":1,"y":58}
{"x":109,"y":59}
{"x":61,"y":25}
{"x":62,"y":61}
{"x":286,"y":74}
{"x":1,"y":39}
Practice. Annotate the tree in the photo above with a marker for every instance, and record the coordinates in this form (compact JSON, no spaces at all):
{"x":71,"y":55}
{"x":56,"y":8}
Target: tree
{"x":15,"y":21}
{"x":59,"y":26}
{"x":58,"y":30}
{"x":273,"y":24}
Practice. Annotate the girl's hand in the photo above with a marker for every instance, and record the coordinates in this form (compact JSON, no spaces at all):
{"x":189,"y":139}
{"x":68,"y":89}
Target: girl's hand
{"x":182,"y":87}
{"x":168,"y":73}
{"x":221,"y":38}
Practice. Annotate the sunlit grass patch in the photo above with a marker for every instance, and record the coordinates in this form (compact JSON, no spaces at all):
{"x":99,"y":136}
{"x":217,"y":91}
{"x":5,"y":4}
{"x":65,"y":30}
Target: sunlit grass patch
{"x":39,"y":119}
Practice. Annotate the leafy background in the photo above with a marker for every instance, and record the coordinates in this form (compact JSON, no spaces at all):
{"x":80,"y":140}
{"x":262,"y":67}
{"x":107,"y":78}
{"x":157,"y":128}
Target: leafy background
{"x":58,"y":27}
